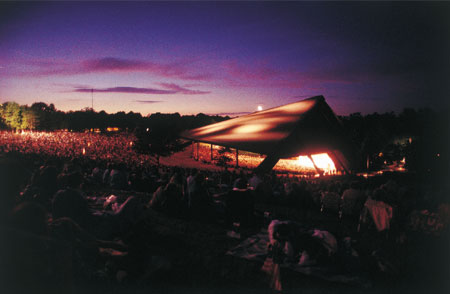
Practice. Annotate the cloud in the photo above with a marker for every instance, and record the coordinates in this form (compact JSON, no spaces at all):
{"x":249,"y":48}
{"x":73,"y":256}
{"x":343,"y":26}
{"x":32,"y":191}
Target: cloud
{"x":232,"y":114}
{"x":169,"y":88}
{"x":232,"y":73}
{"x":70,"y":85}
{"x":132,"y":90}
{"x":318,"y":73}
{"x":183,"y":90}
{"x":182,"y":69}
{"x":265,"y":75}
{"x":147,"y":101}
{"x":113,"y":64}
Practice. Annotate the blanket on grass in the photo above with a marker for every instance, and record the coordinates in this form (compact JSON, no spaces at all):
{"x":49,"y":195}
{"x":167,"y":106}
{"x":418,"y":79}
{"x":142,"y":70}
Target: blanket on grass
{"x":254,"y":248}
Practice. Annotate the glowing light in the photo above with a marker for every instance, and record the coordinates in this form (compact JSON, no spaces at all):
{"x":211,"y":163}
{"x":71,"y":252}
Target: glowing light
{"x":260,"y":108}
{"x":323,"y":161}
{"x":84,"y":151}
{"x":305,"y":162}
{"x":253,"y":128}
{"x":299,"y":107}
{"x":210,"y":129}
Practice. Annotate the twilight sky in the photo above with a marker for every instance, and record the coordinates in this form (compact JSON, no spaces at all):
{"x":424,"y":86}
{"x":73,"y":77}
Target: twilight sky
{"x":225,"y":57}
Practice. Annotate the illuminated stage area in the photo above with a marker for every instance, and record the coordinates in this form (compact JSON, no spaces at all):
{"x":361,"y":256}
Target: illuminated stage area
{"x":296,"y":165}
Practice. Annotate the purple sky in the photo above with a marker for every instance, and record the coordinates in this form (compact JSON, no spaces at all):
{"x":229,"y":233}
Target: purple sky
{"x":225,"y":57}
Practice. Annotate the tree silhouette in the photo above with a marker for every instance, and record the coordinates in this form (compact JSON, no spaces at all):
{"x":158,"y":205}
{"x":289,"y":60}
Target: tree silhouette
{"x":12,"y":115}
{"x":29,"y":119}
{"x":158,"y":141}
{"x":44,"y":116}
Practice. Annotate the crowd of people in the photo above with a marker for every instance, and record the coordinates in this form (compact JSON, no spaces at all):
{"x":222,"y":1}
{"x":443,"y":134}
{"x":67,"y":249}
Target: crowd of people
{"x":114,"y":147}
{"x":58,"y":228}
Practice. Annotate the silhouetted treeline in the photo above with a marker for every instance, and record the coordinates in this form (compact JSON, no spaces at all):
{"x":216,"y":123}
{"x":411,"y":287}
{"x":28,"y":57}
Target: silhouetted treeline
{"x":43,"y":117}
{"x":420,"y":137}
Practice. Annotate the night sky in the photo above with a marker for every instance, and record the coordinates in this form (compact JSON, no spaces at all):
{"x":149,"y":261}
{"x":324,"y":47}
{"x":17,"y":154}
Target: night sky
{"x":225,"y":57}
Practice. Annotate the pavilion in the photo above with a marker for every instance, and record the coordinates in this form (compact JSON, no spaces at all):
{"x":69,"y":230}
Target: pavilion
{"x":302,"y":128}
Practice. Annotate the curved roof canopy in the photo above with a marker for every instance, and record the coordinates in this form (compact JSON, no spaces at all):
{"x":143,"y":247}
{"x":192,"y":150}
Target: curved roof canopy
{"x":301,"y":128}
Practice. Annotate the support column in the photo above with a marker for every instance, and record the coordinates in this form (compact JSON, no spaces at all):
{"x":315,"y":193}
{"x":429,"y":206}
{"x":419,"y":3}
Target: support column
{"x":237,"y":157}
{"x":315,"y":166}
{"x":193,"y":149}
{"x":268,"y":163}
{"x":335,"y":158}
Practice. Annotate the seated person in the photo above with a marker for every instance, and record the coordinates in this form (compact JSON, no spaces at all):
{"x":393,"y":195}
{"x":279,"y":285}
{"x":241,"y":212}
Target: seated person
{"x":84,"y":247}
{"x":376,"y":214}
{"x":28,"y":254}
{"x":297,"y":244}
{"x":42,"y":186}
{"x":330,"y":199}
{"x":70,"y":203}
{"x":239,"y":203}
{"x":169,"y":200}
{"x":353,"y":200}
{"x":200,"y":203}
{"x":118,"y":178}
